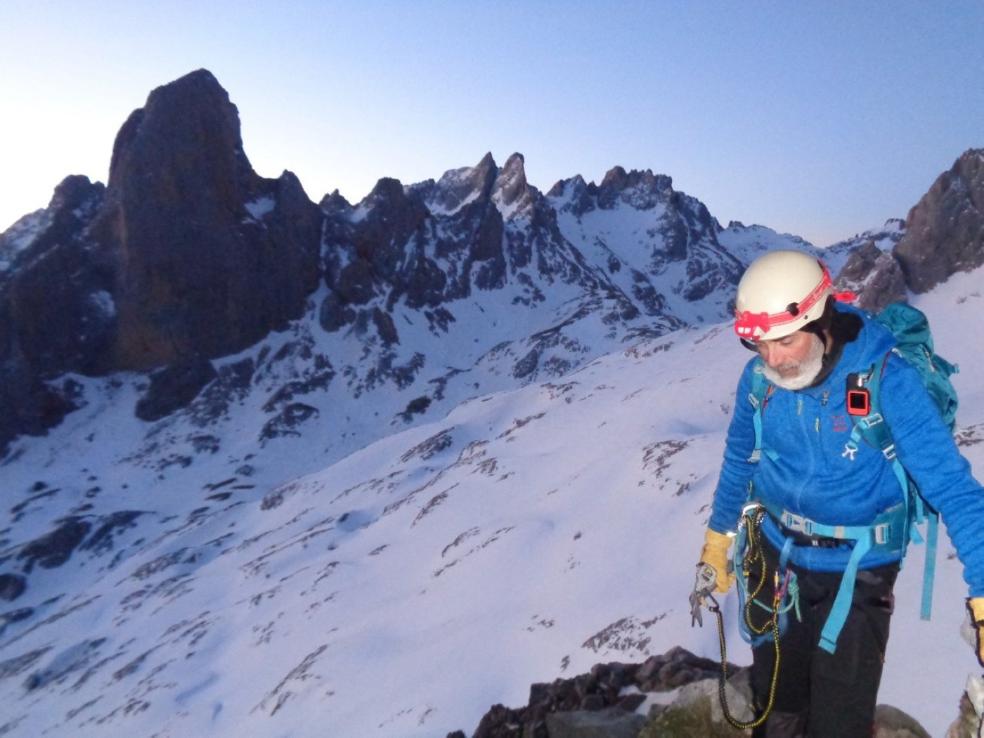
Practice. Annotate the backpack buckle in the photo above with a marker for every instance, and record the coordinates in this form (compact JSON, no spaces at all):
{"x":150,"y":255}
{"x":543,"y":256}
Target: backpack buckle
{"x":889,"y":452}
{"x":872,"y":420}
{"x":881,"y":533}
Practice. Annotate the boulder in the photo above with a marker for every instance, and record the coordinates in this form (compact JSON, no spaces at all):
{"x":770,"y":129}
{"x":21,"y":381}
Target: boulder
{"x":891,"y":722}
{"x":608,"y":723}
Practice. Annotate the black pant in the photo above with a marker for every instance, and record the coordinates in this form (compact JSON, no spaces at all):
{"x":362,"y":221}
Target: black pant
{"x":818,"y":694}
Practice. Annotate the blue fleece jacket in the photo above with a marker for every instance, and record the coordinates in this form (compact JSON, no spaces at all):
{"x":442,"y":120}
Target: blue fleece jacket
{"x":808,"y":473}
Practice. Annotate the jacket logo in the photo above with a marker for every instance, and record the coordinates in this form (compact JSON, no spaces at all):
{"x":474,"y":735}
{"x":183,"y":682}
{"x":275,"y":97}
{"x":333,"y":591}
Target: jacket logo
{"x":839,"y":423}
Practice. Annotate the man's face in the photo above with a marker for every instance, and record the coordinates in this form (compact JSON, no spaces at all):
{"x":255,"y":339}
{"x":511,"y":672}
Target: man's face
{"x":793,"y":361}
{"x":786,"y":354}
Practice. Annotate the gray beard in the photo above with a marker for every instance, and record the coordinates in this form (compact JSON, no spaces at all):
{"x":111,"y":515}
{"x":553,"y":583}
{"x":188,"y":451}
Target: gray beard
{"x":809,"y":369}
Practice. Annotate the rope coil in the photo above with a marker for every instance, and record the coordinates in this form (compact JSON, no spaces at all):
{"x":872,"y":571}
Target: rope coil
{"x":752,"y":517}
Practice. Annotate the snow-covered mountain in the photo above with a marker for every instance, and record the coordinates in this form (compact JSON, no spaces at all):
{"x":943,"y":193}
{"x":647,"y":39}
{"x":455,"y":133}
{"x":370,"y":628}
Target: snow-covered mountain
{"x":401,"y":590}
{"x":203,"y":259}
{"x":749,"y":242}
{"x":274,"y":466}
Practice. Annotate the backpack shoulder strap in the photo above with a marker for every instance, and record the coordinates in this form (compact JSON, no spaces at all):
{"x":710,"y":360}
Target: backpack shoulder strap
{"x":875,"y":431}
{"x":762,"y":389}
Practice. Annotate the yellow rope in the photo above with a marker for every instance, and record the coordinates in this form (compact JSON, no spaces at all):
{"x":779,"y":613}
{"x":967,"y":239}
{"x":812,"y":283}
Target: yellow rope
{"x":754,"y":552}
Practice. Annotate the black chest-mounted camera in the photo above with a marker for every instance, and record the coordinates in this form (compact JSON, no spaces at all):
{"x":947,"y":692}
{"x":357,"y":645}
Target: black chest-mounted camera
{"x":858,"y":396}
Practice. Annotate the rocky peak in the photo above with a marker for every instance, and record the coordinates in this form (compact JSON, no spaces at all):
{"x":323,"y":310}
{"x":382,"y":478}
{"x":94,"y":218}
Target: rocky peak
{"x":944,"y":231}
{"x":391,"y":209}
{"x":640,"y":189}
{"x":568,"y":187}
{"x":578,"y":194}
{"x":458,"y":187}
{"x":74,"y":201}
{"x":387,"y":194}
{"x":511,"y":192}
{"x":75,"y":192}
{"x":485,"y":172}
{"x":511,"y":182}
{"x":195,"y":231}
{"x":187,"y":127}
{"x":334,"y":202}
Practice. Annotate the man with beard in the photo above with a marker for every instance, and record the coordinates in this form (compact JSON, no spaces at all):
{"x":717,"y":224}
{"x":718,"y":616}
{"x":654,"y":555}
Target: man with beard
{"x":788,"y":450}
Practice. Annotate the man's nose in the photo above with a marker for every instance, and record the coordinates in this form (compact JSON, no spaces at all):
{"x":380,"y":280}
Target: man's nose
{"x":772,"y":355}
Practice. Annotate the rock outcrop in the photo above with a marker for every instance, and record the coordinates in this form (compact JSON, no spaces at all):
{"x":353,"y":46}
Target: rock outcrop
{"x":209,"y":256}
{"x":945,"y":229}
{"x":187,"y":253}
{"x":616,"y":687}
{"x":875,"y":276}
{"x":675,"y":695}
{"x":56,"y":310}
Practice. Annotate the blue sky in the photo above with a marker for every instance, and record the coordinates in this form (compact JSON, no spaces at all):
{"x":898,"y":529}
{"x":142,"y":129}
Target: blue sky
{"x":821,"y":119}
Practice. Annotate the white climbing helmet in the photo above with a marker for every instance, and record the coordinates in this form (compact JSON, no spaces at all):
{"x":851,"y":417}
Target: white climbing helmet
{"x":779,"y":294}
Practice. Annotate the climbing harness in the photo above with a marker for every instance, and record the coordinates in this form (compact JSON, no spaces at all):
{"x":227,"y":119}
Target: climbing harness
{"x":887,"y":533}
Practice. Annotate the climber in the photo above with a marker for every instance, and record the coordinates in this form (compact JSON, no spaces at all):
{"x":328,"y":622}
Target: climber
{"x":837,"y":504}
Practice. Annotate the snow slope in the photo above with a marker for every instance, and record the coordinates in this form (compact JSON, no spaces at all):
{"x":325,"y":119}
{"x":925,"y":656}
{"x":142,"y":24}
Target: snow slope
{"x":309,"y":587}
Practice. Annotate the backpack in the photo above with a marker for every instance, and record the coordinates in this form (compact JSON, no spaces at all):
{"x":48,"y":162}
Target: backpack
{"x":914,"y":344}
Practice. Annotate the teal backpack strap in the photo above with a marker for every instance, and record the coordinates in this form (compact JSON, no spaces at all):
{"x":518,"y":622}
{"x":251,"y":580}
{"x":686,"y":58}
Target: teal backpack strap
{"x":758,"y":397}
{"x":845,"y":593}
{"x":929,"y":568}
{"x":915,"y":346}
{"x":875,"y":430}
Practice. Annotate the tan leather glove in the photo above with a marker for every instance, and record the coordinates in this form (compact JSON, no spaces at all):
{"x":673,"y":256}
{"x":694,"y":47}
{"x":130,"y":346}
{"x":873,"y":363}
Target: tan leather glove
{"x":715,"y":555}
{"x":976,"y":607}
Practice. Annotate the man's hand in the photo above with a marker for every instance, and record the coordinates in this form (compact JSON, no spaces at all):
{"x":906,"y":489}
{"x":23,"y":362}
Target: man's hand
{"x":712,"y":573}
{"x":976,"y":607}
{"x":715,"y":555}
